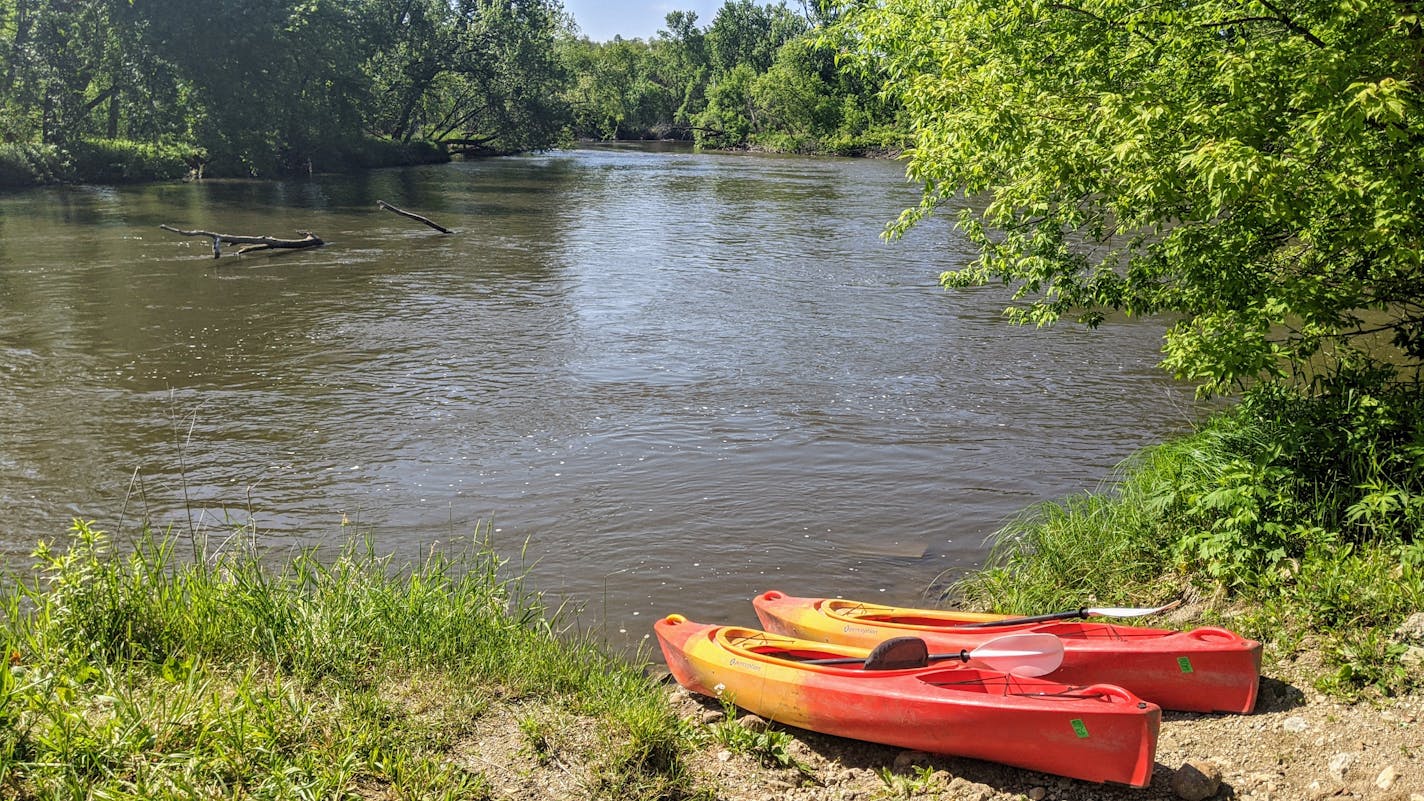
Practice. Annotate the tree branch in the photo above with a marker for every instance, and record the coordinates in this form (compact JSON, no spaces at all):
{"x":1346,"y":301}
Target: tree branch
{"x":309,"y":240}
{"x":402,"y":212}
{"x":1292,"y":24}
{"x":1104,"y":21}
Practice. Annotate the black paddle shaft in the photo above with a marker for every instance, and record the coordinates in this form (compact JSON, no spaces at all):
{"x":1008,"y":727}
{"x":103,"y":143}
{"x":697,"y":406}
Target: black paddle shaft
{"x":899,"y":653}
{"x":1016,"y":621}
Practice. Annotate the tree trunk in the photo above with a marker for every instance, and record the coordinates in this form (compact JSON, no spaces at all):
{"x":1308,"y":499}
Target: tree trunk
{"x":17,"y":48}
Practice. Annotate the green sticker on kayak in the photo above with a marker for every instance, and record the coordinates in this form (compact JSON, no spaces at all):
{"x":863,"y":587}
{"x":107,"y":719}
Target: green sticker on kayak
{"x":1185,"y":664}
{"x":1080,"y":728}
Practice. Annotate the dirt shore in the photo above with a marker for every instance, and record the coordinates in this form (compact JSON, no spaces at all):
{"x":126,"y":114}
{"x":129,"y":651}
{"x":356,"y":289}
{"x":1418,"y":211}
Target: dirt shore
{"x":1297,"y":745}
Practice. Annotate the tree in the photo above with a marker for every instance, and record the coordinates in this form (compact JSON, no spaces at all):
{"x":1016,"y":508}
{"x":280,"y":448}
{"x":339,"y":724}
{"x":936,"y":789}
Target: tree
{"x":70,"y":70}
{"x":730,"y":116}
{"x":744,"y":33}
{"x":278,"y":85}
{"x":1254,"y":168}
{"x":685,"y":46}
{"x":794,"y":95}
{"x":481,"y":71}
{"x":621,"y":88}
{"x":265,"y":84}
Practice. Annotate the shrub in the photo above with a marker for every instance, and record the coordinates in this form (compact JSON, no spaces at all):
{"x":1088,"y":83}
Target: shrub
{"x":1306,"y":509}
{"x":123,"y":160}
{"x":371,"y":152}
{"x":30,"y":165}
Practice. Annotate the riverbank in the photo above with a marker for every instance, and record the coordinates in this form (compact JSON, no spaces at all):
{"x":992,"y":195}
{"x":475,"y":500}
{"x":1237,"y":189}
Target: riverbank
{"x":168,"y":668}
{"x":117,"y":161}
{"x":154,"y":674}
{"x":122,"y":161}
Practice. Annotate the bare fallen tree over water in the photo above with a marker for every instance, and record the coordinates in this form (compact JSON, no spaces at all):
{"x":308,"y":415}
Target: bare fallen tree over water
{"x":251,"y":243}
{"x":402,"y":212}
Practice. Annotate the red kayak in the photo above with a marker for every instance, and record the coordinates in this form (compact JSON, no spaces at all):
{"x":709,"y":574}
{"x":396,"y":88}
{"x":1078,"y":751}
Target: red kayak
{"x":1098,"y":733}
{"x":1202,"y":670}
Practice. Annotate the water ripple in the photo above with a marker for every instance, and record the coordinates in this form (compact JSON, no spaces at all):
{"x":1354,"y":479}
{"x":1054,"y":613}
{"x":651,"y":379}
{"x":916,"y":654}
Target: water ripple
{"x":681,"y":378}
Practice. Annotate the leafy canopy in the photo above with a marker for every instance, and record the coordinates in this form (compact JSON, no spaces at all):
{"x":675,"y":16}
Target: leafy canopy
{"x":1252,"y":167}
{"x":278,"y":84}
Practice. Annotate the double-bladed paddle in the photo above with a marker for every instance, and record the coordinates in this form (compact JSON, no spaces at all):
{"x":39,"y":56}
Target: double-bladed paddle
{"x":1085,"y":612}
{"x":1028,"y":654}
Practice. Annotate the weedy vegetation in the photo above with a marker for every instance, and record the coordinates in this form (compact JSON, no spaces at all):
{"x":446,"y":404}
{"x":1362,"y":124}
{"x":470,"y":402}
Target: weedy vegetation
{"x":1299,"y":517}
{"x":767,"y":745}
{"x":140,"y":674}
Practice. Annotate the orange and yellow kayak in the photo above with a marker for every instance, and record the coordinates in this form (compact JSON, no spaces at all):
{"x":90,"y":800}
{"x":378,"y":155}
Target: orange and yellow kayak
{"x":1202,"y":670}
{"x":1098,"y":733}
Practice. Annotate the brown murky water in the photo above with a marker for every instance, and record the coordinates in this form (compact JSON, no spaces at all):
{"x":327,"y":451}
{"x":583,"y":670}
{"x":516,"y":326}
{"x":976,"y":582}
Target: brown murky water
{"x":680,"y":378}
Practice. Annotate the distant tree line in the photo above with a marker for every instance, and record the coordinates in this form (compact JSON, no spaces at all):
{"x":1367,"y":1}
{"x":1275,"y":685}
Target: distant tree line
{"x":758,"y":76}
{"x":254,"y":87}
{"x":137,"y":89}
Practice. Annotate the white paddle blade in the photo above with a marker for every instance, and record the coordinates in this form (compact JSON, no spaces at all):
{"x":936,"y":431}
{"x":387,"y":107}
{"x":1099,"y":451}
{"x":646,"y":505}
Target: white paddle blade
{"x":1021,"y":654}
{"x":1130,"y":611}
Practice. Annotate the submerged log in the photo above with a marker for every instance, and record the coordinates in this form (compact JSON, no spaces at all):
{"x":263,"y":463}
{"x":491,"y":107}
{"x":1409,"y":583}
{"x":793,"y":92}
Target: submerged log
{"x":308,"y":240}
{"x":402,"y":212}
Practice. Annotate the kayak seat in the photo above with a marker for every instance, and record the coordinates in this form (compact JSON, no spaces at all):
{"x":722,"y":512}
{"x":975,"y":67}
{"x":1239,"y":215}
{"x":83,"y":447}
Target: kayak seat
{"x":899,"y":653}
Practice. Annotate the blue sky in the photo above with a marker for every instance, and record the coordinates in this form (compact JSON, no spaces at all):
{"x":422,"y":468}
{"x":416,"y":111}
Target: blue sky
{"x":600,"y":20}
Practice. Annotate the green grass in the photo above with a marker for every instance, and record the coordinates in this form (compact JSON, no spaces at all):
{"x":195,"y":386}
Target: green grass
{"x":143,"y":675}
{"x":1300,"y":517}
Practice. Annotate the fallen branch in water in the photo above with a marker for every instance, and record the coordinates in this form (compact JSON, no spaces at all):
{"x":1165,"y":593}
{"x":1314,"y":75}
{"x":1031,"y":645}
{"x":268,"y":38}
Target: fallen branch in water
{"x":402,"y":212}
{"x":308,"y":240}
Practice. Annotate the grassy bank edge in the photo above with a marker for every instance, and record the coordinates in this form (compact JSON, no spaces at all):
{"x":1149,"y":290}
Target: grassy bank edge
{"x":153,"y":674}
{"x":118,"y":161}
{"x":167,"y":671}
{"x":1293,"y":519}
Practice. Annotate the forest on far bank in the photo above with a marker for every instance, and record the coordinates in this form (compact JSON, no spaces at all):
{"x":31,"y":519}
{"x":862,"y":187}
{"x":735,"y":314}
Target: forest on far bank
{"x":115,"y":90}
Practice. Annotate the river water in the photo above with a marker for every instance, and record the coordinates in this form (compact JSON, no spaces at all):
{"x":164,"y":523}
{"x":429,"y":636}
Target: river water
{"x":667,"y":380}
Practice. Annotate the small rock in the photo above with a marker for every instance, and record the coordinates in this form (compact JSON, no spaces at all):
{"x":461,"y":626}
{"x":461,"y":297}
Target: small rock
{"x":1196,"y":780}
{"x":905,"y":759}
{"x":753,"y":722}
{"x":1038,"y":794}
{"x":1295,"y":723}
{"x":1412,"y":629}
{"x":710,"y":716}
{"x":1263,"y":782}
{"x":1340,"y":765}
{"x":961,"y":789}
{"x":1387,"y":778}
{"x":1413,"y":657}
{"x":723,"y":756}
